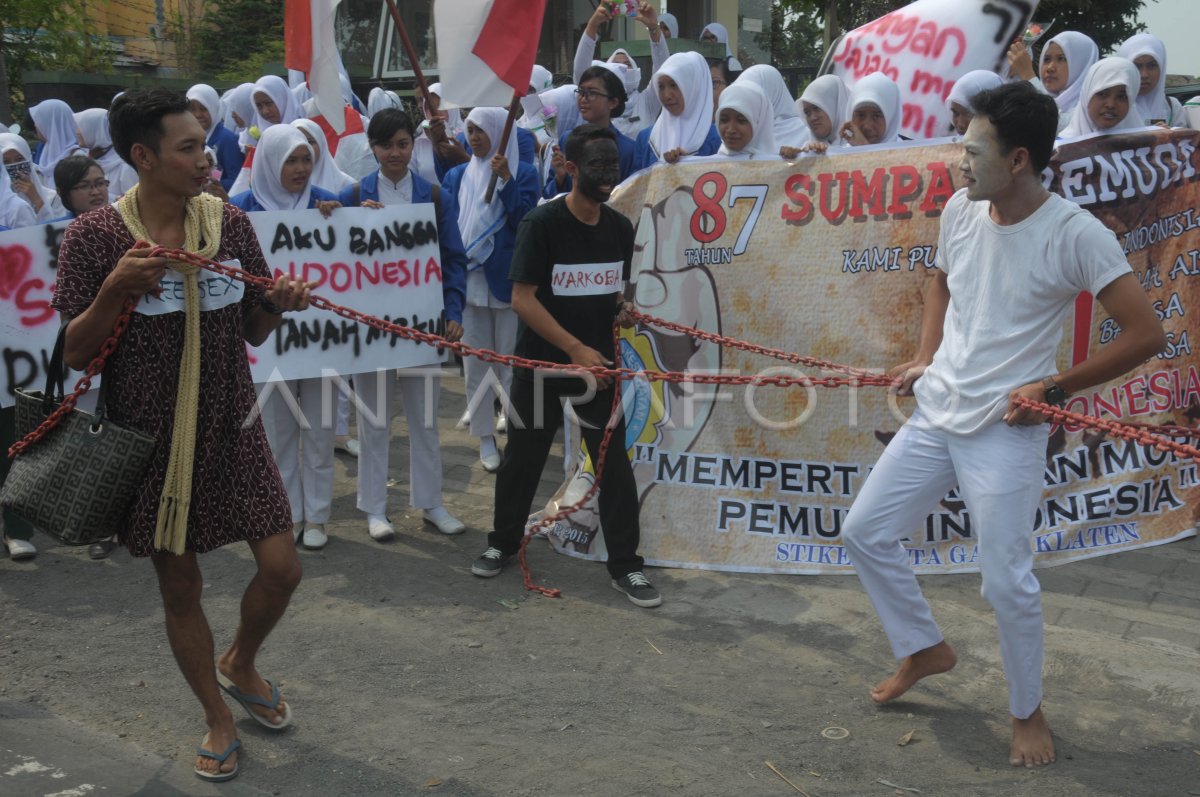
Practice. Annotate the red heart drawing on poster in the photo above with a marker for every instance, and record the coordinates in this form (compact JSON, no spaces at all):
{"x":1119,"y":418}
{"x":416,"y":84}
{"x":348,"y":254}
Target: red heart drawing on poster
{"x":14,"y":267}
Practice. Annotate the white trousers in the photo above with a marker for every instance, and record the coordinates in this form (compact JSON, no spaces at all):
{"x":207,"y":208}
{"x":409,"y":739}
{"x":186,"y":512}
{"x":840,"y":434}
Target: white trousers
{"x":376,"y":392}
{"x":299,"y":428}
{"x":999,"y":472}
{"x":494,"y":329}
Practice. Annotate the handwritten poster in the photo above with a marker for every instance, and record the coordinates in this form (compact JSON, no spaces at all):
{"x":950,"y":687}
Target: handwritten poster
{"x":28,"y":325}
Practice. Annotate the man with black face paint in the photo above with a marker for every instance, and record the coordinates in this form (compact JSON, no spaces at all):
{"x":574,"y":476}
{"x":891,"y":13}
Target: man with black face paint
{"x":571,"y":261}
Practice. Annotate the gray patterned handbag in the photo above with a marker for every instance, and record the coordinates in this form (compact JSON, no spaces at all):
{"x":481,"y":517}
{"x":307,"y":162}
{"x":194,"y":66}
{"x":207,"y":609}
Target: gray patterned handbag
{"x":73,"y":475}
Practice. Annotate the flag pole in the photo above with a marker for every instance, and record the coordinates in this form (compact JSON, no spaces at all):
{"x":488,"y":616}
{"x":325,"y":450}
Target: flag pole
{"x":409,"y":50}
{"x":513,"y":107}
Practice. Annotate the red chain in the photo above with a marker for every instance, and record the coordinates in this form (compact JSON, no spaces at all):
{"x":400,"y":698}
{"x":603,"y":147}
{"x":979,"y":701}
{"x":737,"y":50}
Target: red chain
{"x":82,"y":386}
{"x":1137,"y":433}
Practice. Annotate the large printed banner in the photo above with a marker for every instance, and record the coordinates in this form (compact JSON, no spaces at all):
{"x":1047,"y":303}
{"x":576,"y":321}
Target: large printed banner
{"x":926,"y":46}
{"x":28,"y":325}
{"x":827,"y":257}
{"x":383,"y":262}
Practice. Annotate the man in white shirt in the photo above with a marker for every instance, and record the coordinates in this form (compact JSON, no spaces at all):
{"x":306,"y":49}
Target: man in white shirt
{"x":1012,"y":258}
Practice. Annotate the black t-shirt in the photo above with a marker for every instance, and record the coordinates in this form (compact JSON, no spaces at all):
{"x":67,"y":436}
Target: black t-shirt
{"x":578,"y":270}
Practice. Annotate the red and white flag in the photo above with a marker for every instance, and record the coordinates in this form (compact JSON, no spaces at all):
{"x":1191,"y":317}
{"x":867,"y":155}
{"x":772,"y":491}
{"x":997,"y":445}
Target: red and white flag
{"x":309,"y":47}
{"x":486,"y":49}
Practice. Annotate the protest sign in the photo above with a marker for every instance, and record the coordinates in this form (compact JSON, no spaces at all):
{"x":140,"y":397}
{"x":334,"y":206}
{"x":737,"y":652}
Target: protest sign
{"x":28,"y":325}
{"x":827,"y":257}
{"x":382,"y":262}
{"x":925,"y":47}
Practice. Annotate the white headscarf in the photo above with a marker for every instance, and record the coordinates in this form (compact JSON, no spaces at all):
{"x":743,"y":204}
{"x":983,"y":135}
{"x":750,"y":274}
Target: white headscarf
{"x":381,"y":98}
{"x":206,"y":95}
{"x":751,"y":101}
{"x":454,"y":116}
{"x":12,"y":207}
{"x":93,"y":125}
{"x":1155,"y":104}
{"x":56,"y":123}
{"x":51,"y":206}
{"x":830,"y":94}
{"x":671,"y":23}
{"x":541,"y":79}
{"x":881,"y":91}
{"x":274,"y":87}
{"x":478,"y":222}
{"x":326,"y":173}
{"x":690,"y":72}
{"x":239,"y":100}
{"x":631,"y":76}
{"x":278,"y":142}
{"x":1105,"y":74}
{"x":1081,"y":52}
{"x":970,"y":84}
{"x":722,"y":35}
{"x":566,"y":110}
{"x":790,"y":129}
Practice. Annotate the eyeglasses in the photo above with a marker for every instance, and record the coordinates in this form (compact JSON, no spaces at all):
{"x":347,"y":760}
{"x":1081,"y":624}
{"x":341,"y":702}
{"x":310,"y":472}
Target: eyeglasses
{"x":95,"y":185}
{"x":590,"y":94}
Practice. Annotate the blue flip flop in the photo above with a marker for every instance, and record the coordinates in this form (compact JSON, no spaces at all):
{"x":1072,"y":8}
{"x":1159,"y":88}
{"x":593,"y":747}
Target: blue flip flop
{"x":218,"y":776}
{"x":248,"y":701}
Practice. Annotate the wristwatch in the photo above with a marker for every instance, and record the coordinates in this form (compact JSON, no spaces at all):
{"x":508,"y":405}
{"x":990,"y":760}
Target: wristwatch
{"x":270,"y":306}
{"x":1054,"y":393}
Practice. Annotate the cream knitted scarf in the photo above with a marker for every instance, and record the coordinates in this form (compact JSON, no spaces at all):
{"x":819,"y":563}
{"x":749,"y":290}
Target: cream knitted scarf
{"x":202,"y":226}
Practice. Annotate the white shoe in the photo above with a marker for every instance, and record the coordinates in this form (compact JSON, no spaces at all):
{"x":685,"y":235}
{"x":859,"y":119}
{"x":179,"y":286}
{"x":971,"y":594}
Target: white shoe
{"x":502,"y":423}
{"x":463,"y":422}
{"x":347,"y":444}
{"x":380,"y":528}
{"x":444,"y":521}
{"x":488,"y":455}
{"x":19,"y":549}
{"x":314,"y":537}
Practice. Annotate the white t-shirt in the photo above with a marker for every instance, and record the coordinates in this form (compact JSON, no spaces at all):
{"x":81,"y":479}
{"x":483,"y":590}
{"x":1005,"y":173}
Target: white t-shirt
{"x":1011,"y":288}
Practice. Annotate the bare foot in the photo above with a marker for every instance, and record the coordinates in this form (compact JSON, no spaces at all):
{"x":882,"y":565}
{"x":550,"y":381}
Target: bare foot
{"x":1032,"y":744}
{"x":251,"y":683}
{"x":220,"y":735}
{"x":930,"y":661}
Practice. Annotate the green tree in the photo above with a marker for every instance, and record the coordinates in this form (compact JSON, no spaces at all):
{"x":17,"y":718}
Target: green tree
{"x":43,"y":34}
{"x":237,"y":38}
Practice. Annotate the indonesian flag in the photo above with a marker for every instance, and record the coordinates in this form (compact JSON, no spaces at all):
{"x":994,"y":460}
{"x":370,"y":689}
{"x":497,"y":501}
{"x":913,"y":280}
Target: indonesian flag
{"x":486,"y":49}
{"x":310,"y":48}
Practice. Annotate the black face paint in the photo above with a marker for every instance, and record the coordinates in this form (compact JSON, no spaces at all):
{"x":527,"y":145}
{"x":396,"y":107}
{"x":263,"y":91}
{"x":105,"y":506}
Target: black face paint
{"x":601,"y":166}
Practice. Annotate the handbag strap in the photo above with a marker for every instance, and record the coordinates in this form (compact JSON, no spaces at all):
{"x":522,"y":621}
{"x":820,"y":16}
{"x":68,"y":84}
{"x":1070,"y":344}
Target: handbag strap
{"x":81,"y":387}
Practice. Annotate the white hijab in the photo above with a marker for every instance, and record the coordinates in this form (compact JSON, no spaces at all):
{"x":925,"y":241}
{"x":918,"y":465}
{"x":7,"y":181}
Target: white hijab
{"x":1155,"y":104}
{"x":790,"y":129}
{"x":12,"y":207}
{"x":970,"y":84}
{"x":93,"y":126}
{"x":690,"y":72}
{"x":541,"y":78}
{"x":1081,"y":52}
{"x":830,"y":94}
{"x":56,"y":123}
{"x":479,"y":222}
{"x":631,"y":77}
{"x":722,"y":35}
{"x":671,"y":23}
{"x":1105,"y":74}
{"x":381,"y":98}
{"x":326,"y":173}
{"x":274,"y":87}
{"x":454,"y":116}
{"x":566,"y":110}
{"x":51,"y":206}
{"x":277,"y":143}
{"x":240,"y":100}
{"x":752,"y":102}
{"x":881,"y":91}
{"x":206,"y":95}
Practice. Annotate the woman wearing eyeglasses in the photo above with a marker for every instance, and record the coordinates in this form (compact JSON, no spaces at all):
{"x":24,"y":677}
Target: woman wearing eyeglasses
{"x":601,"y":99}
{"x":81,"y":185}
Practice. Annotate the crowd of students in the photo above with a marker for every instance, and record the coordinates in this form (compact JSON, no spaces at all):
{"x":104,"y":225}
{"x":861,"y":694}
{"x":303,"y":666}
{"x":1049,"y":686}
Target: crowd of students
{"x":270,"y":149}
